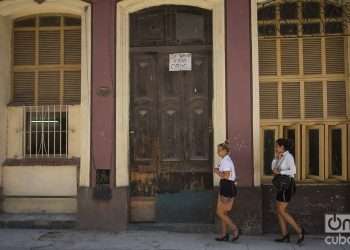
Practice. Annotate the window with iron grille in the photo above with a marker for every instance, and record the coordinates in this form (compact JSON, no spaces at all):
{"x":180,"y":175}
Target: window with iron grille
{"x":304,"y":84}
{"x":46,"y":131}
{"x":46,"y":60}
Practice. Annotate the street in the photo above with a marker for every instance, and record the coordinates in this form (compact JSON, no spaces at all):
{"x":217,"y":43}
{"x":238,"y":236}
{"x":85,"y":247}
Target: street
{"x":142,"y":240}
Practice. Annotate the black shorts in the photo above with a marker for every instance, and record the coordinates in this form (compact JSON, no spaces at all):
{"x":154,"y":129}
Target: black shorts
{"x":228,"y":188}
{"x":286,"y":195}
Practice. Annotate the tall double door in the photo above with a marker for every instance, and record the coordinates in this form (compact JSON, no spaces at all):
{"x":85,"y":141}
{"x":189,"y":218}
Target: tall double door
{"x":170,"y":136}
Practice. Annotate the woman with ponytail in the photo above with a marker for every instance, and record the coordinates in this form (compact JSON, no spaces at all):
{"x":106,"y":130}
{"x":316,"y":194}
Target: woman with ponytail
{"x":226,"y":171}
{"x":284,"y":170}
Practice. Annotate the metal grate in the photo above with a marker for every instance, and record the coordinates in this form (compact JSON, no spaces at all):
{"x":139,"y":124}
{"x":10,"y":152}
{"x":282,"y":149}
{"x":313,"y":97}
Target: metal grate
{"x":45,"y":132}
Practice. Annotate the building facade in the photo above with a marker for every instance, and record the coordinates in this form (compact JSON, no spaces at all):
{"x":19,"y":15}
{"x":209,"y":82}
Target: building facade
{"x":112,"y":110}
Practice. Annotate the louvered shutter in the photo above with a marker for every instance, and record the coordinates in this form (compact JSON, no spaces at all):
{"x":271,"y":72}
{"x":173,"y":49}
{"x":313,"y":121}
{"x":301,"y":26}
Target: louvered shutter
{"x":335,"y":55}
{"x":24,"y":87}
{"x":267,"y":57}
{"x":289,"y":57}
{"x":312,"y":55}
{"x":24,"y":48}
{"x":49,"y":87}
{"x":72,"y":46}
{"x":291,"y":100}
{"x":49,"y":47}
{"x":336,"y":99}
{"x":269,"y":100}
{"x":313,"y":97}
{"x":72,"y":87}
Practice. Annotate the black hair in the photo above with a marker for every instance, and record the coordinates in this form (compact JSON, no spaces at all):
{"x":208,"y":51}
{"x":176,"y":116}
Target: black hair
{"x":286,"y":143}
{"x":225,"y":145}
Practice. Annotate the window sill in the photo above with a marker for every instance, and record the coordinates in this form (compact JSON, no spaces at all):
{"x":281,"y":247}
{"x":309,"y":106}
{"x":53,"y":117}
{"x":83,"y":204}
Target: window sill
{"x":314,"y":183}
{"x":17,"y":104}
{"x":42,"y":162}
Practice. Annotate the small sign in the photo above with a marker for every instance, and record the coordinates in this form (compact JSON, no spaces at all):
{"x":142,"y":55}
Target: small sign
{"x":180,"y":62}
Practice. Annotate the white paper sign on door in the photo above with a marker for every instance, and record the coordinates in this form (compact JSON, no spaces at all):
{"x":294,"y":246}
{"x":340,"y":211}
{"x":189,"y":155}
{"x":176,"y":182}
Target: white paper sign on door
{"x":180,"y":62}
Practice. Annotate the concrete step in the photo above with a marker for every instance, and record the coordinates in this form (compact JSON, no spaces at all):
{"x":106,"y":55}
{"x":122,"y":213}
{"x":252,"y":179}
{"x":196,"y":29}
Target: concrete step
{"x":38,"y":221}
{"x":174,"y":227}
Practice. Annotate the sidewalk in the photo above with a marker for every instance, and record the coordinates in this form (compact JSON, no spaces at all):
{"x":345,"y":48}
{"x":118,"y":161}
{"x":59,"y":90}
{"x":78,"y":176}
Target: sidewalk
{"x":140,"y":240}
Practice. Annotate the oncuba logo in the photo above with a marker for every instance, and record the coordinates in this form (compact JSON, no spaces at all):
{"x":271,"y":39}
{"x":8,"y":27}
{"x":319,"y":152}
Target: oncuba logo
{"x":339,"y":226}
{"x":337,"y":223}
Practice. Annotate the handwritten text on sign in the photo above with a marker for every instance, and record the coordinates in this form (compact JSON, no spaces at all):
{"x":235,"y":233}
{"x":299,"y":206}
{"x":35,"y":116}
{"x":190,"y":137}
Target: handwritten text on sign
{"x":180,"y":62}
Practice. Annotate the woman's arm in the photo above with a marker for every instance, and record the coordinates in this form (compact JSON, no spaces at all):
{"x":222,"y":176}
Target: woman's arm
{"x":217,"y":172}
{"x":223,"y":175}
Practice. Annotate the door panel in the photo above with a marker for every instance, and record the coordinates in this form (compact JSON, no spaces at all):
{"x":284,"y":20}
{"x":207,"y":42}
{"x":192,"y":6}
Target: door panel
{"x":170,"y":115}
{"x":170,"y":130}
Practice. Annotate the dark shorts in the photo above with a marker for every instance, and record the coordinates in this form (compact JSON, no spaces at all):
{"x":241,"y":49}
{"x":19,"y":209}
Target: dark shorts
{"x":228,"y":188}
{"x":286,"y":195}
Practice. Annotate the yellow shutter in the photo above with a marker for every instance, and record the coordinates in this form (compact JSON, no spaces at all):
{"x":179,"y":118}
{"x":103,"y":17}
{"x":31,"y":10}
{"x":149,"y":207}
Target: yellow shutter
{"x":336,"y":99}
{"x":291,"y":100}
{"x":267,"y":57}
{"x":23,"y":87}
{"x":72,"y":46}
{"x":312,"y":55}
{"x":289,"y":57}
{"x":313,"y":97}
{"x":335,"y":55}
{"x":71,"y":87}
{"x":24,"y":48}
{"x":49,"y":87}
{"x":269,"y":100}
{"x":49,"y":47}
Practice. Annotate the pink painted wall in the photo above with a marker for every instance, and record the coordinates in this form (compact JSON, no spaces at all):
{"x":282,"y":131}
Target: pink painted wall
{"x":103,"y":76}
{"x":239,"y":87}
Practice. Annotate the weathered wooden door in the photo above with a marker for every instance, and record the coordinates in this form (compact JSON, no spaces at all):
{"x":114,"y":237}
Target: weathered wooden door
{"x":170,"y":114}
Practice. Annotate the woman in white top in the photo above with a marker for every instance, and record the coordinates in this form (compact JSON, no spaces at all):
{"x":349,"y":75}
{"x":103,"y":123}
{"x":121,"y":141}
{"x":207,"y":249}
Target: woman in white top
{"x":283,"y":164}
{"x":226,"y":171}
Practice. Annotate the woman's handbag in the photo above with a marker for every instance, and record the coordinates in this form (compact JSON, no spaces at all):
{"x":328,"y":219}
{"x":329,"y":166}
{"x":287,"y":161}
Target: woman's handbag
{"x":281,"y":182}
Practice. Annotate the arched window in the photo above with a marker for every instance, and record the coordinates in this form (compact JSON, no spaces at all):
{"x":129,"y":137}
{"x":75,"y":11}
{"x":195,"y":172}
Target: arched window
{"x":46,"y":60}
{"x":303,"y":84}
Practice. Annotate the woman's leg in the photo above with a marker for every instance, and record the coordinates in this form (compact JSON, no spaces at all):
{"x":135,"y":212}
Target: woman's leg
{"x":218,"y":213}
{"x":282,"y":208}
{"x":282,"y":222}
{"x":225,"y":205}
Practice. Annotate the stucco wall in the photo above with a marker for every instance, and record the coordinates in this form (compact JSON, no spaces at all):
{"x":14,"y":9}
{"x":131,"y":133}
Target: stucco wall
{"x":40,"y":205}
{"x":11,"y":137}
{"x":5,"y":56}
{"x":40,"y":181}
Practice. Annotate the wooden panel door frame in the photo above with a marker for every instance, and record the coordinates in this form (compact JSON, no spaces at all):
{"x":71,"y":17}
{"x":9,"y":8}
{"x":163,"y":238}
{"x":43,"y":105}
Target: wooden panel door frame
{"x":305,"y":152}
{"x":267,"y":178}
{"x":297,"y":143}
{"x":344,"y":153}
{"x":124,"y":9}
